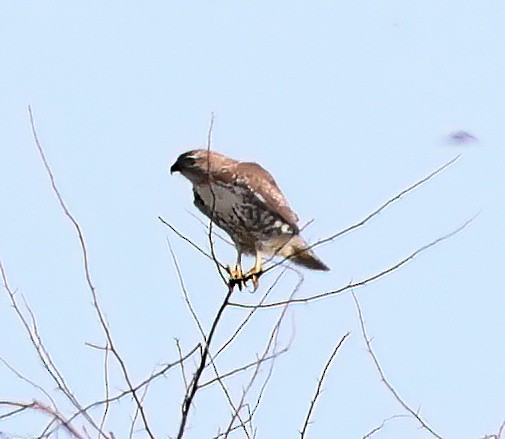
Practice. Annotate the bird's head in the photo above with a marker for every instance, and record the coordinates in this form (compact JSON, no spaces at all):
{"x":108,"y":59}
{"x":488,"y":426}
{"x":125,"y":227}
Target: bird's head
{"x":196,"y":165}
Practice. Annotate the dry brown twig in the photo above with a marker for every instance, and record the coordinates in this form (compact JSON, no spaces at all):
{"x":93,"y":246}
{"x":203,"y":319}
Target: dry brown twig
{"x":251,"y":313}
{"x":213,"y":195}
{"x":106,"y":383}
{"x":361,"y":283}
{"x":206,"y":343}
{"x":375,"y":213}
{"x":272,"y":342}
{"x":189,"y":241}
{"x":195,"y":381}
{"x":185,"y":291}
{"x":497,"y":435}
{"x":234,"y":408}
{"x":245,"y":367}
{"x":264,"y":358}
{"x":272,"y":345}
{"x":41,"y":408}
{"x":31,"y":328}
{"x":136,"y":415}
{"x":183,"y":372}
{"x":33,"y":384}
{"x":320,"y":385}
{"x":138,"y":387}
{"x":87,"y":273}
{"x":381,"y":426}
{"x":388,"y":385}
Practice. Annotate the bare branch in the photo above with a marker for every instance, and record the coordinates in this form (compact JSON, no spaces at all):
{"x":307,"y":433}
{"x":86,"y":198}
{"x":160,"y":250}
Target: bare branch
{"x":106,"y":384}
{"x":42,"y":408}
{"x":185,"y":292}
{"x":87,"y":273}
{"x":497,"y":435}
{"x":219,"y":377}
{"x":212,"y":212}
{"x":194,"y":385}
{"x":202,"y":333}
{"x":320,"y":385}
{"x":244,"y":368}
{"x":272,"y":343}
{"x":378,"y":367}
{"x":27,"y":380}
{"x":381,"y":426}
{"x":389,"y":202}
{"x":135,"y":417}
{"x":234,"y":408}
{"x":374,"y":213}
{"x":276,"y":353}
{"x":363,"y":282}
{"x":138,"y":387}
{"x":255,"y":308}
{"x":40,"y":349}
{"x":183,"y":372}
{"x":189,"y":241}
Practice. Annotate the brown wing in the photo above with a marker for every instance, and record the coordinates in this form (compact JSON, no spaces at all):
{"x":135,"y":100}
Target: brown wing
{"x":264,"y":187}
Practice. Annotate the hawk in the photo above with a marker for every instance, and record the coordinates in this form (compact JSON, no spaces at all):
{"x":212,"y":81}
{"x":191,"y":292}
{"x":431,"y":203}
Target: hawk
{"x":244,"y":200}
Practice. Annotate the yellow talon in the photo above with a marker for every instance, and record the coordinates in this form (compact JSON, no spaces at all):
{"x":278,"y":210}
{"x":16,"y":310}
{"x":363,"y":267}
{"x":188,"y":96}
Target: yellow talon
{"x":236,"y":276}
{"x":255,"y":273}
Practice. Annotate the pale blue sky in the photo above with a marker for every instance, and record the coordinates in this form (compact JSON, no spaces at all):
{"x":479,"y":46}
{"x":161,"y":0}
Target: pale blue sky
{"x":346,"y":103}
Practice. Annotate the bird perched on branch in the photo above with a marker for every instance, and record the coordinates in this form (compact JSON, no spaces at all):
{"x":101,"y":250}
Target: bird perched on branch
{"x":244,"y":200}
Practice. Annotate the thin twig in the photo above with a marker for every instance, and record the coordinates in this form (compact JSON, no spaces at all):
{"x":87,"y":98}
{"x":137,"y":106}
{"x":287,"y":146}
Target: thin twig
{"x":183,"y":372}
{"x":374,"y":213}
{"x":381,"y":426}
{"x":234,"y":408}
{"x":189,"y":241}
{"x":138,"y":387}
{"x":194,"y":385}
{"x":200,"y":327}
{"x":27,"y":380}
{"x":40,"y":349}
{"x":274,"y":335}
{"x":320,"y":385}
{"x":84,"y":251}
{"x":497,"y":435}
{"x":243,"y":368}
{"x":214,"y":232}
{"x":106,"y":384}
{"x":272,"y":341}
{"x":244,"y":322}
{"x":42,"y":408}
{"x":213,"y":195}
{"x":378,"y":367}
{"x":136,"y":415}
{"x":219,"y":377}
{"x":365,"y":281}
{"x":185,"y":291}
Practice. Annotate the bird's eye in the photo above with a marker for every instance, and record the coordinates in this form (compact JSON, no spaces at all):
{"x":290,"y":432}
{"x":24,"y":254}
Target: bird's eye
{"x":187,"y":160}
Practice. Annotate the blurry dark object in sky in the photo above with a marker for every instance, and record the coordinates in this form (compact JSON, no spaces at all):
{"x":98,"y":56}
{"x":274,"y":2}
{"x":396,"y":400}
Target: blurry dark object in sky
{"x":462,"y":137}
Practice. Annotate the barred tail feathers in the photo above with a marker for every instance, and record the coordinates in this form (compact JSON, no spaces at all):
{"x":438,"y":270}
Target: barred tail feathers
{"x":297,"y":251}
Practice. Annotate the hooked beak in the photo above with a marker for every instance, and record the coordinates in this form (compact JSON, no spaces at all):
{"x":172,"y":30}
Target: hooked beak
{"x":184,"y":162}
{"x":175,"y":167}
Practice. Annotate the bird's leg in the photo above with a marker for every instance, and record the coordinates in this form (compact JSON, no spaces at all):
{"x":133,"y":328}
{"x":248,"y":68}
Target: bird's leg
{"x":256,"y":271}
{"x":236,"y":274}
